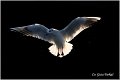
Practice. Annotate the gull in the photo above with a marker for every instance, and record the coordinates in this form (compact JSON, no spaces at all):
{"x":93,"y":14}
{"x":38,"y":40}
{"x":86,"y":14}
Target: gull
{"x":58,"y":38}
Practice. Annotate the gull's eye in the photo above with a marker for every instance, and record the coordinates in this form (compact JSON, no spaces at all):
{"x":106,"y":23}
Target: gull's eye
{"x":50,"y":30}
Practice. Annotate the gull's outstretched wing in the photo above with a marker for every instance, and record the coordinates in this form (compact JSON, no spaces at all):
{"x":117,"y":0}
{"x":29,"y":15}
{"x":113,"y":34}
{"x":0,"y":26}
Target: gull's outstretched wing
{"x":36,"y":30}
{"x":76,"y":26}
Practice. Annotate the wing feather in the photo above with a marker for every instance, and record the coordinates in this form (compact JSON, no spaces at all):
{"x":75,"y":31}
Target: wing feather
{"x":36,"y":30}
{"x":76,"y":26}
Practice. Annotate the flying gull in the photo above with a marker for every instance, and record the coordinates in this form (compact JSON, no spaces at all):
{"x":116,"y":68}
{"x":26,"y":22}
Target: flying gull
{"x":59,"y":38}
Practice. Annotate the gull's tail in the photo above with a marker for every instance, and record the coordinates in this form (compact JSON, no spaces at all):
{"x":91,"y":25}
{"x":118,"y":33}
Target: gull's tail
{"x":53,"y":49}
{"x":61,"y":52}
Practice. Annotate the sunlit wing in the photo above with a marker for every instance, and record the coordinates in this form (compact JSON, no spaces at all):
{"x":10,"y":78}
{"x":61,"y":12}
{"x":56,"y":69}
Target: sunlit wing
{"x":76,"y":26}
{"x":36,"y":30}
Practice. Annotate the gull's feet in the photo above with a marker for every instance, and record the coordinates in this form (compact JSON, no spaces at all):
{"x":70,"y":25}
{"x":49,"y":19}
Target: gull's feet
{"x":62,"y":54}
{"x":58,"y":54}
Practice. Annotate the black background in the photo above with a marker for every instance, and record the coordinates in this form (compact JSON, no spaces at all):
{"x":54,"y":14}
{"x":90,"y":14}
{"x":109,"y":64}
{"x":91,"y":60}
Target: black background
{"x":95,"y":50}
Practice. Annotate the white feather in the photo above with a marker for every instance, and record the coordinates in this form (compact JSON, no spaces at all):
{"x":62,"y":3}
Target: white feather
{"x":66,"y":50}
{"x":76,"y":33}
{"x":53,"y":50}
{"x":98,"y":18}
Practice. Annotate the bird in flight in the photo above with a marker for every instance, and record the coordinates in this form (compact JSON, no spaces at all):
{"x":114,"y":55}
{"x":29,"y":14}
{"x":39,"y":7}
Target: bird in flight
{"x":58,"y":38}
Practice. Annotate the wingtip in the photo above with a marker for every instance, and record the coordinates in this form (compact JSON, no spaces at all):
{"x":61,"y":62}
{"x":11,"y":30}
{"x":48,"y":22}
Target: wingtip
{"x":16,"y":29}
{"x":98,"y":18}
{"x":12,"y":29}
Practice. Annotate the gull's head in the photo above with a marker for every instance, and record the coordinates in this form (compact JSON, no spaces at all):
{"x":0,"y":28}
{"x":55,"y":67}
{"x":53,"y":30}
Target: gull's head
{"x":52,"y":30}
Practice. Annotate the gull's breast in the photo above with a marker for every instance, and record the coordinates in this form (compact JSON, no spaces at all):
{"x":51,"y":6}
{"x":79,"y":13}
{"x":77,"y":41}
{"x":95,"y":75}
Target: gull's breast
{"x":59,"y":40}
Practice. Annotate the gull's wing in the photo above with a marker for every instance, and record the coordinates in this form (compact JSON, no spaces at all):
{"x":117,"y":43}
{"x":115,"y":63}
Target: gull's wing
{"x":36,"y":30}
{"x":76,"y":26}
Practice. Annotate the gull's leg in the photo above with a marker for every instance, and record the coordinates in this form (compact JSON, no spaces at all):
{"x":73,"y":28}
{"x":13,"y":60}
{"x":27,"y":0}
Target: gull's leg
{"x":62,"y":52}
{"x":58,"y":53}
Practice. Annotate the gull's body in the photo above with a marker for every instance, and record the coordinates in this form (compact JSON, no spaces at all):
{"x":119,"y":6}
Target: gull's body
{"x":59,"y":38}
{"x":58,"y":43}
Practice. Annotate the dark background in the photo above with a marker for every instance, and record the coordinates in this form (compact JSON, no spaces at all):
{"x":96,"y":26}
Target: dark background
{"x":95,"y":50}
